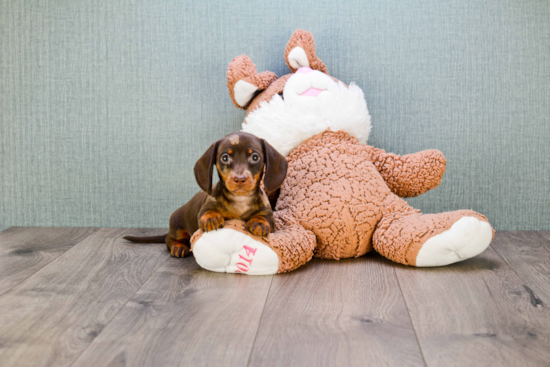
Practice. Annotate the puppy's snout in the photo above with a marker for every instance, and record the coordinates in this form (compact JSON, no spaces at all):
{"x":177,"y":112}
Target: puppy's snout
{"x":239,"y":179}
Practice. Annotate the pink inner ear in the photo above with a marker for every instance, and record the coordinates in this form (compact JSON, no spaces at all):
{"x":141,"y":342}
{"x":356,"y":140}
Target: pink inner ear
{"x":304,"y":70}
{"x":312,"y":92}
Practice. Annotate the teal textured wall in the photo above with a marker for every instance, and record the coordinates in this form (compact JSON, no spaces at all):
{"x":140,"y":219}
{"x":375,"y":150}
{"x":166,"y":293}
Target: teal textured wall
{"x":106,"y":105}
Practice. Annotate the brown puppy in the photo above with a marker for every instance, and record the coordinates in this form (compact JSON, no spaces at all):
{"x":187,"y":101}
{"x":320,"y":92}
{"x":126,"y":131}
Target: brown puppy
{"x":240,"y":160}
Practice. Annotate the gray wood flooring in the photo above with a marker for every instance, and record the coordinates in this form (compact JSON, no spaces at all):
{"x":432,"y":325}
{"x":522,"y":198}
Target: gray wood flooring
{"x":85,"y":297}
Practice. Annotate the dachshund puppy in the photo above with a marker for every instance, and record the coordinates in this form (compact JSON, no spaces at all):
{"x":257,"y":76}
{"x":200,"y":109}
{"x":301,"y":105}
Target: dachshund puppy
{"x":241,"y":160}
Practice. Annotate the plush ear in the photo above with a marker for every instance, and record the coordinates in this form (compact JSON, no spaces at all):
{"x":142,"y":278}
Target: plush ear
{"x":204,"y":168}
{"x":244,"y":81}
{"x":275,"y":167}
{"x":300,"y":52}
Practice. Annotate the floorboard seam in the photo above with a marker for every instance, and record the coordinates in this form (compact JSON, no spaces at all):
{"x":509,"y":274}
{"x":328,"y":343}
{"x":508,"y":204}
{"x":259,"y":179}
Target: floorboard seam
{"x":259,"y":323}
{"x":504,"y":259}
{"x":115,"y":315}
{"x":48,"y":263}
{"x":410,"y":318}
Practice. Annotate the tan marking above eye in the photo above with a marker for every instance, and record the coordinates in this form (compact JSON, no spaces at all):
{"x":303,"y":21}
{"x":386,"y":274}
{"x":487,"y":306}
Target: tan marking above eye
{"x":249,"y":151}
{"x":230,"y":151}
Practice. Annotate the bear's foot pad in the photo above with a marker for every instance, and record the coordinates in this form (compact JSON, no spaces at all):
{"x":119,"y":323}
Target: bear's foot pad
{"x":228,"y":251}
{"x":466,"y":238}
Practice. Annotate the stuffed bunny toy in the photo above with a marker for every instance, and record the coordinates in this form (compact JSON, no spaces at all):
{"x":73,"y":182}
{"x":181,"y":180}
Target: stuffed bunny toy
{"x":341,"y":198}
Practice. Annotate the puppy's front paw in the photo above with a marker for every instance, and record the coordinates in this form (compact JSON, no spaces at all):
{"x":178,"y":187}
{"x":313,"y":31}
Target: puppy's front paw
{"x":210,"y":221}
{"x":258,"y":226}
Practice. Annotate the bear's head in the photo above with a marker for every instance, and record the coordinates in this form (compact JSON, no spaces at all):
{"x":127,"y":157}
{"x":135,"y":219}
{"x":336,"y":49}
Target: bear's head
{"x":286,"y":111}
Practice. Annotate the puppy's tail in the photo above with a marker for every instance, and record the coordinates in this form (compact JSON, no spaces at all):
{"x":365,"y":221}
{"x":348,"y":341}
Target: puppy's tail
{"x":152,"y":239}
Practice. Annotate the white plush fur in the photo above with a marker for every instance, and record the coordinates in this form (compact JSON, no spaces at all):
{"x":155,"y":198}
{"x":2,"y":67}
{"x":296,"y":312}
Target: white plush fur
{"x":466,"y":238}
{"x":285,"y":122}
{"x":219,"y":251}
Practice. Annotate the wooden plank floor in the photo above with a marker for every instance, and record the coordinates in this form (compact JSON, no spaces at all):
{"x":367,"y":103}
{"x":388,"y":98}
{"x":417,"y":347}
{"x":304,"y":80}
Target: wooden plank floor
{"x":85,"y":297}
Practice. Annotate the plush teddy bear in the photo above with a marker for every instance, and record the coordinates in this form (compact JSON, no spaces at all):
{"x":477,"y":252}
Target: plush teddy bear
{"x":341,"y":198}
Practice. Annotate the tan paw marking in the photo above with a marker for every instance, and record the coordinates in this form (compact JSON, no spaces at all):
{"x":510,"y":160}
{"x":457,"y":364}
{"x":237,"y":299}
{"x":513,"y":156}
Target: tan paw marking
{"x":210,"y":221}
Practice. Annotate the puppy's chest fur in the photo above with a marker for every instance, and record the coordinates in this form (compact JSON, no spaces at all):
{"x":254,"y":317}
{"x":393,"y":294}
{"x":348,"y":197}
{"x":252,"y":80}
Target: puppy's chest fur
{"x":243,"y":207}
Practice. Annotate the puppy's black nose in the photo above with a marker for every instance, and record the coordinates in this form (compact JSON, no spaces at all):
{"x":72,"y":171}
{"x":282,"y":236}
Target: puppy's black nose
{"x":239,"y":180}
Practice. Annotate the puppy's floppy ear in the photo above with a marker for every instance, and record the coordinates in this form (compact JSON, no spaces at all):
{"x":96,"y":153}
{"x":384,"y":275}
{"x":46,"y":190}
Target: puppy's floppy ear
{"x":205,"y":166}
{"x":275,"y":167}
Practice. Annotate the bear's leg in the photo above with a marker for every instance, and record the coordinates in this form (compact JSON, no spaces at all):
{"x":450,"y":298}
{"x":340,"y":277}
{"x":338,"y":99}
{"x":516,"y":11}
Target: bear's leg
{"x":425,"y":240}
{"x":232,"y":249}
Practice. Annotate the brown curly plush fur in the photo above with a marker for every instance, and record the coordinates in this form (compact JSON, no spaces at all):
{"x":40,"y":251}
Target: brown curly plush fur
{"x":334,"y":189}
{"x":412,"y":174}
{"x":242,"y":68}
{"x":304,"y":39}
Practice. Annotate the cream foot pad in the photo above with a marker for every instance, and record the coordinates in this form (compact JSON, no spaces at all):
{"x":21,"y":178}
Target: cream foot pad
{"x":229,"y":251}
{"x":466,"y":238}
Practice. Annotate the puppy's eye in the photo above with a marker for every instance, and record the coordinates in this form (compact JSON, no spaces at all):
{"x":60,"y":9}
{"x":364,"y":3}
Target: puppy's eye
{"x":255,"y":157}
{"x":225,"y":158}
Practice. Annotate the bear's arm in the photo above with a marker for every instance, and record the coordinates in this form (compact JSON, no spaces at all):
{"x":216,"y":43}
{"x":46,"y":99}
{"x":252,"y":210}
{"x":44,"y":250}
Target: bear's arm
{"x":412,"y":174}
